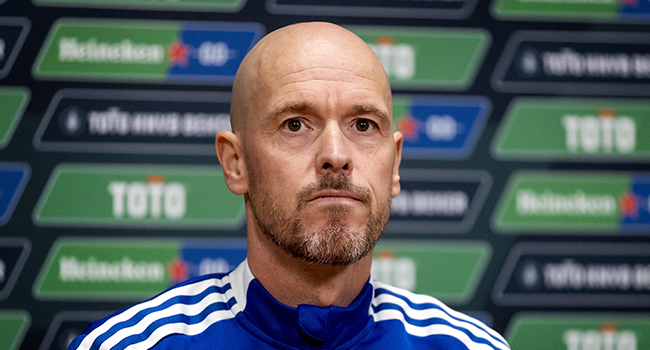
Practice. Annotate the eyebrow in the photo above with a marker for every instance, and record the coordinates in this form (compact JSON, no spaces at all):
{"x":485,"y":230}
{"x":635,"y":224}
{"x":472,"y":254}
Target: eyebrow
{"x":302,"y":107}
{"x":370,"y":109}
{"x":292,"y":107}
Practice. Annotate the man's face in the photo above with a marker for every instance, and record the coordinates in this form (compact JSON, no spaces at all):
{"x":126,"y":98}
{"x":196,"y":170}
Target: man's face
{"x":321,"y":153}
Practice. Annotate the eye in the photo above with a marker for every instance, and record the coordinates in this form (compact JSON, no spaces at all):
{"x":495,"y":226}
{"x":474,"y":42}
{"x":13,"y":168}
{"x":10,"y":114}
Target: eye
{"x":364,"y":125}
{"x":293,"y":125}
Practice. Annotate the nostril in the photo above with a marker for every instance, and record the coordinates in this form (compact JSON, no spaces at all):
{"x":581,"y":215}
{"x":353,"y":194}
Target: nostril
{"x":345,"y":167}
{"x":327,"y":166}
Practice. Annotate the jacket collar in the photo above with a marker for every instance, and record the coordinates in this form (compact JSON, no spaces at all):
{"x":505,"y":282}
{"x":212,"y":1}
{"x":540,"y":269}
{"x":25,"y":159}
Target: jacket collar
{"x":305,"y":326}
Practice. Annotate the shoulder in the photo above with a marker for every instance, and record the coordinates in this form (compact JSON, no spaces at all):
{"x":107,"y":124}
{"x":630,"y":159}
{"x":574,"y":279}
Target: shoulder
{"x":424,"y":316}
{"x":187,"y":308}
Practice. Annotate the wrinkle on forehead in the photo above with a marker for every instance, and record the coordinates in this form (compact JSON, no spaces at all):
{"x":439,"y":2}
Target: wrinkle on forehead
{"x":321,"y":51}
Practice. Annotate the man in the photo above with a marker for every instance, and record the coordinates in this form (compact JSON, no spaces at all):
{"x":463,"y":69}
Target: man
{"x":314,"y":154}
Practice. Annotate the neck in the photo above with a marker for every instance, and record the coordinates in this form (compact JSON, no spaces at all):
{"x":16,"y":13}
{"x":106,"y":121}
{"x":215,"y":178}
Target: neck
{"x":293,"y":281}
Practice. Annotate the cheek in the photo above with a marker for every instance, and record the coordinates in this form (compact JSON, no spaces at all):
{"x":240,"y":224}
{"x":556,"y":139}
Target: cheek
{"x":378,"y":171}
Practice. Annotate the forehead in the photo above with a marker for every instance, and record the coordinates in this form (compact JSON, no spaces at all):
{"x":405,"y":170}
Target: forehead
{"x":318,"y":68}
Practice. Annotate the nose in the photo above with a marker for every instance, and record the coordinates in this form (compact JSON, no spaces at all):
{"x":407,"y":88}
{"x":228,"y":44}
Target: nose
{"x":334,"y":152}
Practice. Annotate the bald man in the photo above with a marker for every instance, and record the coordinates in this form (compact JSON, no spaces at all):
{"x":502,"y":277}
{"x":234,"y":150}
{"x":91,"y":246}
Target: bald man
{"x":314,"y":154}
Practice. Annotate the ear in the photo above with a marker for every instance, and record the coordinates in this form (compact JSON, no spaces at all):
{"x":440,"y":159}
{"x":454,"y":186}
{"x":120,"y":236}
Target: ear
{"x":396,"y":188}
{"x":231,"y":158}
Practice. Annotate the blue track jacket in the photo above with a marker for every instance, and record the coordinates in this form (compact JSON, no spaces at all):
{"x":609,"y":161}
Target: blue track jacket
{"x":234,"y":311}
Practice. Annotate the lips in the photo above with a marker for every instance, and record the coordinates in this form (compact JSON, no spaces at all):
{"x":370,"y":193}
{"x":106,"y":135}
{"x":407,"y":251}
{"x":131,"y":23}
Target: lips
{"x":333,"y":194}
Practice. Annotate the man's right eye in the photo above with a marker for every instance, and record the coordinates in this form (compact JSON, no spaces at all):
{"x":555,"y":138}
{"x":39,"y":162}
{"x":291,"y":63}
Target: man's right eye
{"x":294,"y":125}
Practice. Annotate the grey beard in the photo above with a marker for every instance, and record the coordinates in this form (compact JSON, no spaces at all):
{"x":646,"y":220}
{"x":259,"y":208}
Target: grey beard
{"x":335,"y":244}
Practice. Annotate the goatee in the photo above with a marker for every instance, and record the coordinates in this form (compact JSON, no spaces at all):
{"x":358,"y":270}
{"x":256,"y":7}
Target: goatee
{"x":333,"y":244}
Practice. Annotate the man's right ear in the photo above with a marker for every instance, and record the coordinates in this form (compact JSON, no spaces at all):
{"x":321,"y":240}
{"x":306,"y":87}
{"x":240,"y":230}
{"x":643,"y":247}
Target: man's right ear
{"x":231,"y":158}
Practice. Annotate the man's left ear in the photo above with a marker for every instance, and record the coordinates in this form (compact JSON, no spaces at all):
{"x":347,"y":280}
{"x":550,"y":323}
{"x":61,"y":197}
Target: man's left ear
{"x":232,"y":161}
{"x":395,"y":189}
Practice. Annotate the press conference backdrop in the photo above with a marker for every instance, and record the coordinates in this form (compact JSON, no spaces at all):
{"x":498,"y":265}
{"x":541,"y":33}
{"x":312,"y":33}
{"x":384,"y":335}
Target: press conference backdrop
{"x":525,"y":179}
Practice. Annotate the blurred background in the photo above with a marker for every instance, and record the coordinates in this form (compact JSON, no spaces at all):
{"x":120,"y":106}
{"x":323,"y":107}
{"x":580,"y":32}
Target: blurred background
{"x":525,"y":183}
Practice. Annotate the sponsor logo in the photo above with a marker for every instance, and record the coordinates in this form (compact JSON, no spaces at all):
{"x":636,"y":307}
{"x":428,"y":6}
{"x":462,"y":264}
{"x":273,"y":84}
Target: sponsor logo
{"x":572,"y":10}
{"x":13,"y":101}
{"x":13,"y":32}
{"x":138,"y":196}
{"x":440,"y":127}
{"x":13,"y":255}
{"x":459,"y":267}
{"x":155,"y":199}
{"x":407,"y":55}
{"x":126,"y":270}
{"x":133,"y":122}
{"x":129,"y":269}
{"x":576,"y":274}
{"x":608,"y":336}
{"x":578,"y":331}
{"x":13,"y":179}
{"x":576,"y":130}
{"x":174,"y":52}
{"x":185,"y":5}
{"x":203,"y":257}
{"x":574,"y":63}
{"x":66,"y":326}
{"x":436,"y":201}
{"x":568,"y":201}
{"x":14,"y":325}
{"x":457,"y":9}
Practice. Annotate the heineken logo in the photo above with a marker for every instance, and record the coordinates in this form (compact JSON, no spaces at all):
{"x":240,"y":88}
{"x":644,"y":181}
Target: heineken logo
{"x":587,"y":274}
{"x":184,"y":5}
{"x":440,"y":127}
{"x":145,"y":51}
{"x":406,"y":55}
{"x":582,"y":202}
{"x":457,"y":9}
{"x":13,"y":32}
{"x":122,"y":52}
{"x":125,"y":270}
{"x":438,"y":201}
{"x":529,"y":202}
{"x":128,"y":269}
{"x":599,"y":63}
{"x":590,"y":11}
{"x":13,"y":179}
{"x":574,"y":129}
{"x":410,"y":266}
{"x":574,"y":331}
{"x":133,"y":121}
{"x":13,"y":255}
{"x":138,"y":196}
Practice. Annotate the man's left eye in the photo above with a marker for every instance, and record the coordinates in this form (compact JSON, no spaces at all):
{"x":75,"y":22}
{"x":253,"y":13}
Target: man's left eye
{"x":363,"y":125}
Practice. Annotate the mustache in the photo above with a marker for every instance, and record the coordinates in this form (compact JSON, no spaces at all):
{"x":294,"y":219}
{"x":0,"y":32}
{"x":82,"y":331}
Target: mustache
{"x":337,"y":182}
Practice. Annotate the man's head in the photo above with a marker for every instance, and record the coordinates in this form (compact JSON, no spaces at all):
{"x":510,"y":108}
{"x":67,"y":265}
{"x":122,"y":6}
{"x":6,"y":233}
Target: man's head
{"x":313,"y":148}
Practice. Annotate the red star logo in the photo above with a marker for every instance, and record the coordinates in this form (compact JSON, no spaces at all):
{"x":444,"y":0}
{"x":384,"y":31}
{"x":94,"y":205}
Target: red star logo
{"x":178,"y":53}
{"x":409,"y":127}
{"x":629,"y":206}
{"x":178,"y":270}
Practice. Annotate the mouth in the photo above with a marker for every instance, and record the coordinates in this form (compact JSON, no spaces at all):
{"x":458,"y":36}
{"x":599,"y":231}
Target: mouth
{"x":335,"y":196}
